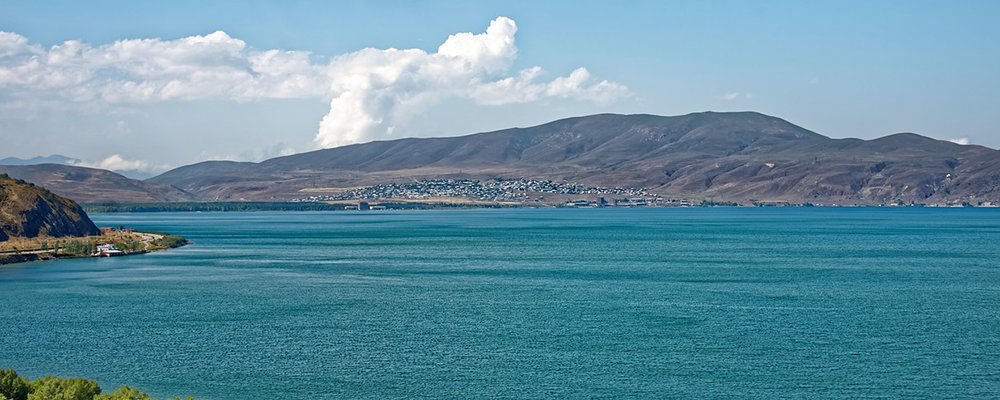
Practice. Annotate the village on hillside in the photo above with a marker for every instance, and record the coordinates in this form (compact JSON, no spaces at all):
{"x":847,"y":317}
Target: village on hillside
{"x":499,"y":191}
{"x":543,"y":193}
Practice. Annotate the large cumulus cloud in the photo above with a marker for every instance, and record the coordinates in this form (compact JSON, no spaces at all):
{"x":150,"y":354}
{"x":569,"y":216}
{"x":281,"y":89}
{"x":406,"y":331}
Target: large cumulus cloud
{"x":371,"y":91}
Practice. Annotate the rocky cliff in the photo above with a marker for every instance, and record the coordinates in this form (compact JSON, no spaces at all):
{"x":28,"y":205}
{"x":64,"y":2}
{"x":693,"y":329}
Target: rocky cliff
{"x":29,"y":211}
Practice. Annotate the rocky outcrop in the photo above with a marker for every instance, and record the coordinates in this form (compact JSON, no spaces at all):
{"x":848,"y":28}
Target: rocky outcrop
{"x":30,"y":211}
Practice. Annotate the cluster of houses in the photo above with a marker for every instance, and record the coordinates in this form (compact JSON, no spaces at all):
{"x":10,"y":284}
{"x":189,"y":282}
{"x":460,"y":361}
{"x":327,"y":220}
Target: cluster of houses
{"x":628,"y":202}
{"x":496,"y":189}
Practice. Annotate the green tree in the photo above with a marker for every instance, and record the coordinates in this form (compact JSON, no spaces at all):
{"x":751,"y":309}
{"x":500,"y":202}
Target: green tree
{"x":55,"y":388}
{"x":124,"y":393}
{"x":72,"y":247}
{"x":12,"y":386}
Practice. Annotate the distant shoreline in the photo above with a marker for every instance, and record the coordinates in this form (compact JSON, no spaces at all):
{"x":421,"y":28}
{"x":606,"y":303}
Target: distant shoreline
{"x":109,"y":243}
{"x":396,"y":204}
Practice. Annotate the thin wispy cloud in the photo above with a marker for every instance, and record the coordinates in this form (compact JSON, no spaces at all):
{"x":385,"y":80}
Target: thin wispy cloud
{"x":732,"y":96}
{"x":962,"y":141}
{"x":372,"y":92}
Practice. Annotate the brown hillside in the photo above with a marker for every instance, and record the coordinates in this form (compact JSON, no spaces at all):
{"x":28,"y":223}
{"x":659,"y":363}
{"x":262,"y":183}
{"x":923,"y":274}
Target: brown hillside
{"x":91,"y":185}
{"x":739,"y":156}
{"x":30,"y":211}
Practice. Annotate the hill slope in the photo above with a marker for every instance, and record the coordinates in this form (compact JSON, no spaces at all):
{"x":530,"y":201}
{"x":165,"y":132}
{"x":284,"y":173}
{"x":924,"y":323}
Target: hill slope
{"x":52,"y":159}
{"x":721,"y":156}
{"x":29,"y":211}
{"x":90,"y":185}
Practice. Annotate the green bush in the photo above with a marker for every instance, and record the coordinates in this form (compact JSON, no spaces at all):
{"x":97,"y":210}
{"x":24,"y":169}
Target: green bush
{"x":124,"y":393}
{"x":12,"y":386}
{"x":172,"y":241}
{"x":79,"y":248}
{"x":55,"y":388}
{"x":130,"y":246}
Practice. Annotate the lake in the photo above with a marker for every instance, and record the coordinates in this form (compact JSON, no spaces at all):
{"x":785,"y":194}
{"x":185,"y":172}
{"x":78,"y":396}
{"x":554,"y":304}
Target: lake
{"x":564,"y":303}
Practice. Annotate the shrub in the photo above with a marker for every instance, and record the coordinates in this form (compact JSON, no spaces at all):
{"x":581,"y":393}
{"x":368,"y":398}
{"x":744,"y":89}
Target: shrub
{"x":172,"y":241}
{"x":55,"y":388}
{"x":12,"y":386}
{"x":124,"y":393}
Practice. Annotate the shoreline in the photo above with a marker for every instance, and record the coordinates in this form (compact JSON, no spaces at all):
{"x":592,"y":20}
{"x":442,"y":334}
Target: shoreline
{"x":408,"y":204}
{"x":131,"y":243}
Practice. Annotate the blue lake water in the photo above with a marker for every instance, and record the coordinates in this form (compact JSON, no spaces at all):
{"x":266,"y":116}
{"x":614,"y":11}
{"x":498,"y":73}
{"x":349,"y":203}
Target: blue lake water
{"x":633,"y":303}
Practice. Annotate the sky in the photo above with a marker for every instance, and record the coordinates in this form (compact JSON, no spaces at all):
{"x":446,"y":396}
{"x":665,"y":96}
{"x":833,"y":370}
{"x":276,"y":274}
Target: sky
{"x":149,"y":86}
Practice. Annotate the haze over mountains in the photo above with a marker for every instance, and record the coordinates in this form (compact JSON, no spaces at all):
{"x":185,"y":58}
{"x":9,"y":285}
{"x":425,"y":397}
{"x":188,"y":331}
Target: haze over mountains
{"x":742,"y":156}
{"x":52,"y":159}
{"x":92,"y":185}
{"x":63,"y":160}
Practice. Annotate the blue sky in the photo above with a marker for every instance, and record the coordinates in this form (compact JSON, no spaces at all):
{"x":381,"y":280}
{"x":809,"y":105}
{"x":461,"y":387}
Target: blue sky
{"x":841,"y":68}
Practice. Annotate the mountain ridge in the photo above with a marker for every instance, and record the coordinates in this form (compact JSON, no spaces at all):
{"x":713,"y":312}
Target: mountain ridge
{"x":50,"y":159}
{"x":718,"y":156}
{"x":738,"y":156}
{"x":93,"y":185}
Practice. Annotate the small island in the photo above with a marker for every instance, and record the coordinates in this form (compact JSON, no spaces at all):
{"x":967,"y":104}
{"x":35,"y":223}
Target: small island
{"x":36,"y":224}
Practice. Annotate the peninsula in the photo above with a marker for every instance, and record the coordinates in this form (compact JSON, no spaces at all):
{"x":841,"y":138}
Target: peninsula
{"x":36,"y":224}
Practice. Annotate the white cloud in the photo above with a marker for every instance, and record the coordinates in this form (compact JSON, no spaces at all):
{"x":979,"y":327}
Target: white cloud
{"x":214,"y":66}
{"x":372,"y":92}
{"x":375,"y":90}
{"x":962,"y":141}
{"x":492,"y":51}
{"x":731,"y":96}
{"x":116,"y":162}
{"x":525,"y":88}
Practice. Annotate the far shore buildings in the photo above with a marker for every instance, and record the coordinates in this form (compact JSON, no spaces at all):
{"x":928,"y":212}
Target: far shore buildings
{"x":488,"y":190}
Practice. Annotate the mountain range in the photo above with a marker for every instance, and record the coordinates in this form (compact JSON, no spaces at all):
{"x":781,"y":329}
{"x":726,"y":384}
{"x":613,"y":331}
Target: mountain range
{"x":52,"y":159}
{"x":92,"y":185}
{"x":739,"y":156}
{"x":63,"y":160}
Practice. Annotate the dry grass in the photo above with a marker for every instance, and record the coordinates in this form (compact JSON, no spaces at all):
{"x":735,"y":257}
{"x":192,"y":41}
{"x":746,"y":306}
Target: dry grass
{"x":34,"y":244}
